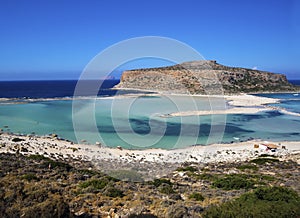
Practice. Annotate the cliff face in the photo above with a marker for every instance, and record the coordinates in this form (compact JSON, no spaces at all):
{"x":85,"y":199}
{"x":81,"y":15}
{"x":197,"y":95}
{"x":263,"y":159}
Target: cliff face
{"x":204,"y":77}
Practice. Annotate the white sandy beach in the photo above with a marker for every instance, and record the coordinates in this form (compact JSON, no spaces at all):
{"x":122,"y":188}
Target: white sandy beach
{"x":235,"y":110}
{"x":240,"y":104}
{"x":61,"y":149}
{"x":247,"y":100}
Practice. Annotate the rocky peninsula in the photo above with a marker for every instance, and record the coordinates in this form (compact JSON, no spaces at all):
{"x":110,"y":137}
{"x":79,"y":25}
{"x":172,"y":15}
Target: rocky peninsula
{"x":204,"y":77}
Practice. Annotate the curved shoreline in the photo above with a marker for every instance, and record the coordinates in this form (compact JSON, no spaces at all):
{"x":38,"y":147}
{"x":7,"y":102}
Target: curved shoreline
{"x":54,"y":147}
{"x":238,"y":93}
{"x":241,"y":104}
{"x":235,"y":100}
{"x":235,"y":110}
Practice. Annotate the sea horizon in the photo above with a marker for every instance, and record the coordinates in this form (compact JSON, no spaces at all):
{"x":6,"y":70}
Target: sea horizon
{"x":33,"y":88}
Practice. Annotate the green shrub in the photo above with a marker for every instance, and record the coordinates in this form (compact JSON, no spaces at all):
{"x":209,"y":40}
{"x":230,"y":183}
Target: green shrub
{"x":196,"y":196}
{"x":95,"y":183}
{"x":58,"y":164}
{"x":113,"y":192}
{"x":247,"y":167}
{"x":49,"y":162}
{"x":166,"y":189}
{"x":187,"y":169}
{"x":89,"y":172}
{"x":263,"y":202}
{"x":158,"y":182}
{"x":37,"y":157}
{"x":234,"y":181}
{"x":206,"y":176}
{"x":261,"y":161}
{"x":267,"y":177}
{"x":29,"y":177}
{"x":276,"y":194}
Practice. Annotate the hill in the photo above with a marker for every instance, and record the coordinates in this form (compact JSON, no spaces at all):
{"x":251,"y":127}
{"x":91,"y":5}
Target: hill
{"x":204,"y":77}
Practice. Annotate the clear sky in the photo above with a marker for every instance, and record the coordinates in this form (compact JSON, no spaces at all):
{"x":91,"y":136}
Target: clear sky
{"x":55,"y":39}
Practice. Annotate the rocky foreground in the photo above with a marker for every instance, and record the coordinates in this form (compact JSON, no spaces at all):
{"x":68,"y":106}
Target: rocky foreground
{"x":32,"y":185}
{"x":138,"y":165}
{"x":204,"y":77}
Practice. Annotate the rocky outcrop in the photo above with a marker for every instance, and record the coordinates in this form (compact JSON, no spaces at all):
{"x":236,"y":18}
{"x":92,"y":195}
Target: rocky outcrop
{"x":204,"y":77}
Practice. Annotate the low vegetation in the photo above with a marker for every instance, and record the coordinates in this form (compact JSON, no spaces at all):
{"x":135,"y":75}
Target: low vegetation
{"x":245,"y":167}
{"x":29,"y":177}
{"x":159,"y":182}
{"x":261,"y":161}
{"x":263,"y":202}
{"x":47,"y":162}
{"x":187,"y":169}
{"x":166,"y":189}
{"x":36,"y":186}
{"x":235,"y":181}
{"x":196,"y":196}
{"x":96,"y":184}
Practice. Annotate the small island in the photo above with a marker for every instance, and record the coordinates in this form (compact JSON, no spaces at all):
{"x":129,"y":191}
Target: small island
{"x":204,"y":77}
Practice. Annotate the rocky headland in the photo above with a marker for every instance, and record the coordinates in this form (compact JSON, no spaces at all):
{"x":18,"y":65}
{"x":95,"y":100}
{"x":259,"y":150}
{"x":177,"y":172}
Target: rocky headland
{"x":204,"y":77}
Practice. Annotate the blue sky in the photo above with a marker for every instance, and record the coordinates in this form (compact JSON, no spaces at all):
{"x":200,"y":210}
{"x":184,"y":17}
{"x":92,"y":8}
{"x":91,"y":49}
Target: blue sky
{"x":55,"y":39}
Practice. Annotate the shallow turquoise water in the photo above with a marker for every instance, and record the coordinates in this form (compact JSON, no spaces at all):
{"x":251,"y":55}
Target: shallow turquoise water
{"x":289,"y":101}
{"x":136,"y":122}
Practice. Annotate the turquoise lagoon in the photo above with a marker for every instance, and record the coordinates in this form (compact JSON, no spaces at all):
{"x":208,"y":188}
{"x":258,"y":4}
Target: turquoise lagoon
{"x":143,"y":122}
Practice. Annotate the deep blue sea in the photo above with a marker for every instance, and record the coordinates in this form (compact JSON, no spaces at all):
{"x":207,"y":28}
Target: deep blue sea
{"x":59,"y":88}
{"x":136,"y":123}
{"x":289,"y":101}
{"x":54,"y":89}
{"x":295,"y":82}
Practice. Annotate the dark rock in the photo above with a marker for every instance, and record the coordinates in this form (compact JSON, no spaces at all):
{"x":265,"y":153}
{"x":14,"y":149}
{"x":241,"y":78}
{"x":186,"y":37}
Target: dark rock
{"x":23,"y":149}
{"x":17,"y":140}
{"x":142,"y":216}
{"x":196,"y":209}
{"x":175,"y":197}
{"x":167,"y":203}
{"x":178,"y":211}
